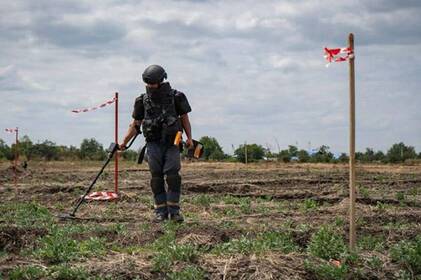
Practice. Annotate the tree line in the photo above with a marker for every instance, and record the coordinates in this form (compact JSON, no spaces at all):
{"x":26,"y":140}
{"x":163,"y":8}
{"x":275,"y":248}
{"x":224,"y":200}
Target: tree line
{"x":91,"y":149}
{"x":397,"y":153}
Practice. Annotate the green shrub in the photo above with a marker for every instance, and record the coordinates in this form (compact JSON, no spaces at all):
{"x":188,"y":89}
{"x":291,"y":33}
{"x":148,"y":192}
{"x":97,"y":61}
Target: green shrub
{"x":188,"y":273}
{"x":371,"y":242}
{"x":163,"y":260}
{"x":408,"y":253}
{"x":339,"y":222}
{"x":26,"y":214}
{"x":327,"y":244}
{"x":58,"y":246}
{"x":230,"y":199}
{"x":327,"y":271}
{"x":204,"y":200}
{"x":66,"y":272}
{"x":273,"y":241}
{"x":27,"y":273}
{"x":364,"y":192}
{"x":168,"y":251}
{"x":309,"y":204}
{"x":400,"y":196}
{"x":375,"y":263}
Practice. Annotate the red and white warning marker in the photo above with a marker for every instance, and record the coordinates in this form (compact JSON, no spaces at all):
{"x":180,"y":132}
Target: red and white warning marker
{"x":338,"y":55}
{"x":97,"y":196}
{"x":96,"y":107}
{"x":15,"y":161}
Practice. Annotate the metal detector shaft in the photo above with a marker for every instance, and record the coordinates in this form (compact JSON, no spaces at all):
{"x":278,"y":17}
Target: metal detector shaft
{"x":112,"y":150}
{"x":110,"y":156}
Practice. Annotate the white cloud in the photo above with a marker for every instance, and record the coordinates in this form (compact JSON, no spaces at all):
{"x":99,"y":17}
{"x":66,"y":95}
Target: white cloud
{"x":253,"y":70}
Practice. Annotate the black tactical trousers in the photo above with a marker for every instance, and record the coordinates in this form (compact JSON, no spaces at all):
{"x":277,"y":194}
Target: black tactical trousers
{"x":164,"y":160}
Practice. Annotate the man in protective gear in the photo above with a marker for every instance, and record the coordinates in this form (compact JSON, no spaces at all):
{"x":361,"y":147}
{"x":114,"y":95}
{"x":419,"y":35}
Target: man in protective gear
{"x":163,"y":113}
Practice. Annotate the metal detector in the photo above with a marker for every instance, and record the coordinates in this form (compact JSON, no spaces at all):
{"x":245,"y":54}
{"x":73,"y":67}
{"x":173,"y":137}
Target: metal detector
{"x":112,"y":149}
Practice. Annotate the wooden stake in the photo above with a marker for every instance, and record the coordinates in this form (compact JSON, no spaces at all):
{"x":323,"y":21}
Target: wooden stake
{"x":245,"y":151}
{"x":352,"y":231}
{"x":116,"y":141}
{"x":16,"y":156}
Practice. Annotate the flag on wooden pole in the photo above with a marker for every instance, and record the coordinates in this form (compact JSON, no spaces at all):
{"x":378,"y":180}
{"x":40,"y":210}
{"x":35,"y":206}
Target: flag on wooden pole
{"x":15,"y":161}
{"x":340,"y":55}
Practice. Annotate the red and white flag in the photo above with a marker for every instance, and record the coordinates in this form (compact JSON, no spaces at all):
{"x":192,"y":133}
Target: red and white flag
{"x":11,"y":130}
{"x":338,"y":55}
{"x":101,"y":196}
{"x":94,"y":108}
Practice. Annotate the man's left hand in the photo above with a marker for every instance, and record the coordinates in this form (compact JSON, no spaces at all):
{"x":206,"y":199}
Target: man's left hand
{"x":189,"y":143}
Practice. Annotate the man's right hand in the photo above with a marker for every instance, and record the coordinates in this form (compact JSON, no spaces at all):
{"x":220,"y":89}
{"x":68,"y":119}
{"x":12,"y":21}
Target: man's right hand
{"x":122,"y":147}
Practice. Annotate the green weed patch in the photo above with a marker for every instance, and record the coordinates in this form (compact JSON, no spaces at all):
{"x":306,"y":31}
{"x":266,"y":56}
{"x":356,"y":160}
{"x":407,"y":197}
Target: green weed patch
{"x":58,"y":246}
{"x":267,"y":241}
{"x":327,"y":244}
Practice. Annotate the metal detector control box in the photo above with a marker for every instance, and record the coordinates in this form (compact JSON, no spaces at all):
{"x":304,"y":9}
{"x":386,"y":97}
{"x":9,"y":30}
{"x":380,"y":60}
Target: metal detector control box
{"x":112,"y":148}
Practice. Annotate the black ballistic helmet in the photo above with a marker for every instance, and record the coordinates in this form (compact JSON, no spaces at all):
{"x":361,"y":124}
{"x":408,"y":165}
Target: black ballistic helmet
{"x":154,"y":74}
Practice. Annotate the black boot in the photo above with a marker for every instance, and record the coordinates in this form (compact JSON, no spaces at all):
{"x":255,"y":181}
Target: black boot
{"x":160,"y":197}
{"x":173,"y":197}
{"x":161,"y":214}
{"x":177,"y":217}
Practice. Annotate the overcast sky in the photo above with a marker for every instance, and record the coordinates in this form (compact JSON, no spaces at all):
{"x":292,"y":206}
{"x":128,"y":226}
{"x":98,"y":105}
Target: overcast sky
{"x":252,"y":70}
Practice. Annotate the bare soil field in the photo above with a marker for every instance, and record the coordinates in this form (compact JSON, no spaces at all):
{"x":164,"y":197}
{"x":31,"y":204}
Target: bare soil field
{"x":260,"y":221}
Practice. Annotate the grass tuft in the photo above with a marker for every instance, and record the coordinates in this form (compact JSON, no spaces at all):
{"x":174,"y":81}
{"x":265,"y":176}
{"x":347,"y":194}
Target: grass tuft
{"x":263,"y":242}
{"x":408,"y":254}
{"x":327,"y":244}
{"x":58,"y":247}
{"x":27,"y":273}
{"x":188,"y":273}
{"x":327,"y":271}
{"x":26,"y":214}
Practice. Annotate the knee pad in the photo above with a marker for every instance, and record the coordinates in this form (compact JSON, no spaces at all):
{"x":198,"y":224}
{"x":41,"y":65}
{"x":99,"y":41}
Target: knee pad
{"x":157,"y":185}
{"x":174,"y":183}
{"x":174,"y":189}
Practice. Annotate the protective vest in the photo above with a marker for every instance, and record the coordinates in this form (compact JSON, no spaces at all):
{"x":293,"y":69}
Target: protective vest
{"x":161,"y":121}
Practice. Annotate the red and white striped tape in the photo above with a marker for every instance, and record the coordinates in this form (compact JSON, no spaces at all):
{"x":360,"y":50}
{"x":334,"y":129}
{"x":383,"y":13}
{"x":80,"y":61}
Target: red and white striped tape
{"x":11,"y":130}
{"x":94,"y":108}
{"x":338,"y":55}
{"x":101,"y":196}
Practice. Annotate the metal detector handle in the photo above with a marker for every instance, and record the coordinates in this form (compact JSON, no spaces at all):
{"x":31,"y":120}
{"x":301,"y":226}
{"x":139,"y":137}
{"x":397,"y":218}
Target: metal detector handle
{"x":132,"y":141}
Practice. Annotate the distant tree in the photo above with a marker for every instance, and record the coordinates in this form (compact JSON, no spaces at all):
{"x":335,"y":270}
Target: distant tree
{"x":268,"y":153}
{"x":46,"y":150}
{"x":400,"y":152}
{"x":5,"y":151}
{"x":303,"y":156}
{"x":359,"y":156}
{"x":368,"y":155}
{"x":379,"y":156}
{"x":213,"y":151}
{"x":92,"y":149}
{"x":322,"y":155}
{"x":254,"y":152}
{"x":343,"y":157}
{"x":26,"y":147}
{"x":69,"y":153}
{"x":284,"y":156}
{"x":292,"y":150}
